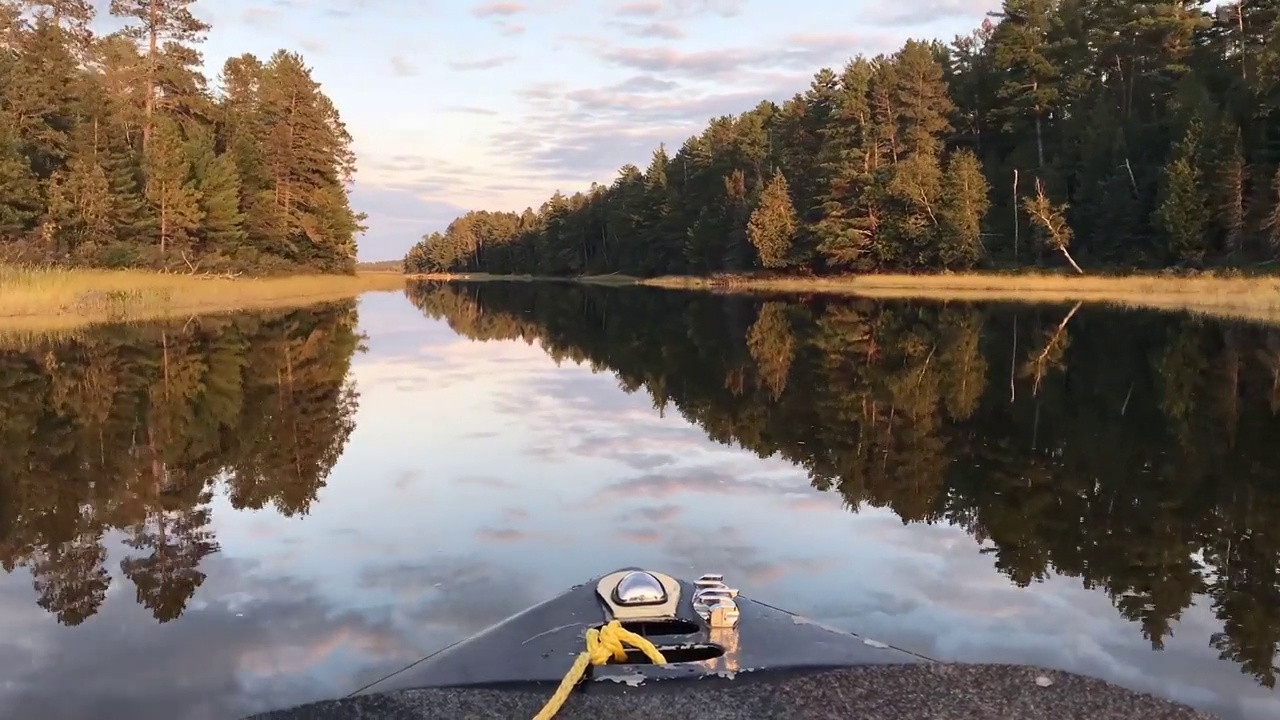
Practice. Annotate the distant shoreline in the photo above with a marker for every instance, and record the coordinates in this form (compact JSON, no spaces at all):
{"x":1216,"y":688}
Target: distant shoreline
{"x":1246,"y":298}
{"x":59,"y":300}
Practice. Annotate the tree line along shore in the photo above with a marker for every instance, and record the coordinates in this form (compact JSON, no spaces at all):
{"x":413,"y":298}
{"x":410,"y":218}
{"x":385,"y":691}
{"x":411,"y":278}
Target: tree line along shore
{"x":117,"y":152}
{"x":1075,"y":135}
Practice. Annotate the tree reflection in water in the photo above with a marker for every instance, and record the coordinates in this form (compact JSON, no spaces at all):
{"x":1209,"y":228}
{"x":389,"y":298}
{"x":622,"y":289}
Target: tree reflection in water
{"x":1135,"y":451}
{"x":133,"y":428}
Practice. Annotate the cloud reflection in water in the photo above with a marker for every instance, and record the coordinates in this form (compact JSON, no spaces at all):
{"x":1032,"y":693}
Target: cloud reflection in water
{"x":483,"y":477}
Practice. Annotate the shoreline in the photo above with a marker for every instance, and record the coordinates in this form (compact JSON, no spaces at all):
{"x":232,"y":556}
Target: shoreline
{"x":1241,"y":298}
{"x":38,"y":301}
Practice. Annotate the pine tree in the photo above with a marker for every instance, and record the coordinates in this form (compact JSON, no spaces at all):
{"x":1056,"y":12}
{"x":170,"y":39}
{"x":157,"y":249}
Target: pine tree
{"x":20,"y":202}
{"x":130,"y":213}
{"x":72,"y":16}
{"x":915,"y":189}
{"x":303,"y":214}
{"x":87,"y":219}
{"x":1271,"y":226}
{"x":1231,"y":178}
{"x":179,"y":164}
{"x":735,"y":216}
{"x":772,"y":227}
{"x":1020,"y":51}
{"x":218,"y":186}
{"x":1182,"y":214}
{"x":59,"y":210}
{"x":41,"y":93}
{"x":656,"y":210}
{"x":11,"y":23}
{"x":963,"y":207}
{"x":846,"y":166}
{"x":170,"y":189}
{"x":158,"y":21}
{"x":923,"y":106}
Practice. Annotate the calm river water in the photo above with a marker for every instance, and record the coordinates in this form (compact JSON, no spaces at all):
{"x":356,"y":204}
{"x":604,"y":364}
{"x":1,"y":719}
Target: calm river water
{"x":223,"y":516}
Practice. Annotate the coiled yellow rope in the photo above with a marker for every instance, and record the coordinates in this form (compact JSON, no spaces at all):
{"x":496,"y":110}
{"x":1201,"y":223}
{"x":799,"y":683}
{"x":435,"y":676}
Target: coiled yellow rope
{"x":602,"y":644}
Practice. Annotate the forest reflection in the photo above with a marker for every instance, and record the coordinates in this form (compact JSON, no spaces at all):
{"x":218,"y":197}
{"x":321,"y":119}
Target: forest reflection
{"x":126,"y":432}
{"x":1137,"y":452}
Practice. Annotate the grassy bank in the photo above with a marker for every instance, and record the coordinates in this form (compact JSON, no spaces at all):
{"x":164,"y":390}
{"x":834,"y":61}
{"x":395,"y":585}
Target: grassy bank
{"x":45,"y":300}
{"x":1253,"y":298}
{"x":610,"y":279}
{"x":474,"y":277}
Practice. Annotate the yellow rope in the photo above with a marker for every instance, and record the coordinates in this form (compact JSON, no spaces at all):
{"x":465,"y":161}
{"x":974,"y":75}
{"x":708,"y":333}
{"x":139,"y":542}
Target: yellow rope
{"x":602,"y":644}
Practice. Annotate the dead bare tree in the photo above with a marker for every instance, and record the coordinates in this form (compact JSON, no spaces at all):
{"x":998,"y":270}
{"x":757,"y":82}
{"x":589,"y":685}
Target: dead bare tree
{"x":1052,"y":221}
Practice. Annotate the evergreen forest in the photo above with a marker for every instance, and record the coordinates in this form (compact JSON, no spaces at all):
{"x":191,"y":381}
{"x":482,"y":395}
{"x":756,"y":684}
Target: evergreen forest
{"x":1087,"y":135}
{"x":117,"y":151}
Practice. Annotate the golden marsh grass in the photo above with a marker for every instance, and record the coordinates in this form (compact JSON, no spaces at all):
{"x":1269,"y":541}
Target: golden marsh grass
{"x":610,"y":279}
{"x":46,"y":300}
{"x":1243,"y":298}
{"x":1248,"y":298}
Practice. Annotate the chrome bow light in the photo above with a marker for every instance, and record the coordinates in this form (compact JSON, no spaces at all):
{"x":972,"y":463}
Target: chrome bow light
{"x":632,"y":595}
{"x":639,"y":588}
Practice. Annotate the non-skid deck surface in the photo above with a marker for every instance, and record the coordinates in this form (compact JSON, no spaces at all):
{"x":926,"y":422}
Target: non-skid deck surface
{"x":932,"y":691}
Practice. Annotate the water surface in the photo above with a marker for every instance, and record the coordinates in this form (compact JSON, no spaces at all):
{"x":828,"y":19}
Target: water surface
{"x":207,"y":519}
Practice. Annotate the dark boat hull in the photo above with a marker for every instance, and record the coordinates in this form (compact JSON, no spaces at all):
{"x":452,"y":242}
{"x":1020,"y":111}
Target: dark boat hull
{"x":771,"y":664}
{"x":539,"y":644}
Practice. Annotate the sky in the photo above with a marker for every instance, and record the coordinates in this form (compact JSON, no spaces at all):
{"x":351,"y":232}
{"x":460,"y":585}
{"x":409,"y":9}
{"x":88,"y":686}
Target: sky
{"x":457,"y":105}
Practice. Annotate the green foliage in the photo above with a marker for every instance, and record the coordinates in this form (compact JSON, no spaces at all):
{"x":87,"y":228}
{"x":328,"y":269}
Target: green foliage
{"x":217,"y":185}
{"x":19,"y":189}
{"x":1089,"y":99}
{"x":1272,"y":222}
{"x":772,"y":226}
{"x":78,"y":208}
{"x":170,"y":186}
{"x":114,"y":151}
{"x":1183,"y":214}
{"x":964,"y":205}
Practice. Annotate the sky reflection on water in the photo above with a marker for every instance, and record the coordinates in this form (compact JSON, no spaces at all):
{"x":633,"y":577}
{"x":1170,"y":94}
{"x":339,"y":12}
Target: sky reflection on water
{"x":481,"y":478}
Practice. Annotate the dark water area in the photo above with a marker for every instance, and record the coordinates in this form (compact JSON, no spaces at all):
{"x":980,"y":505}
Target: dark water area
{"x":222,"y":516}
